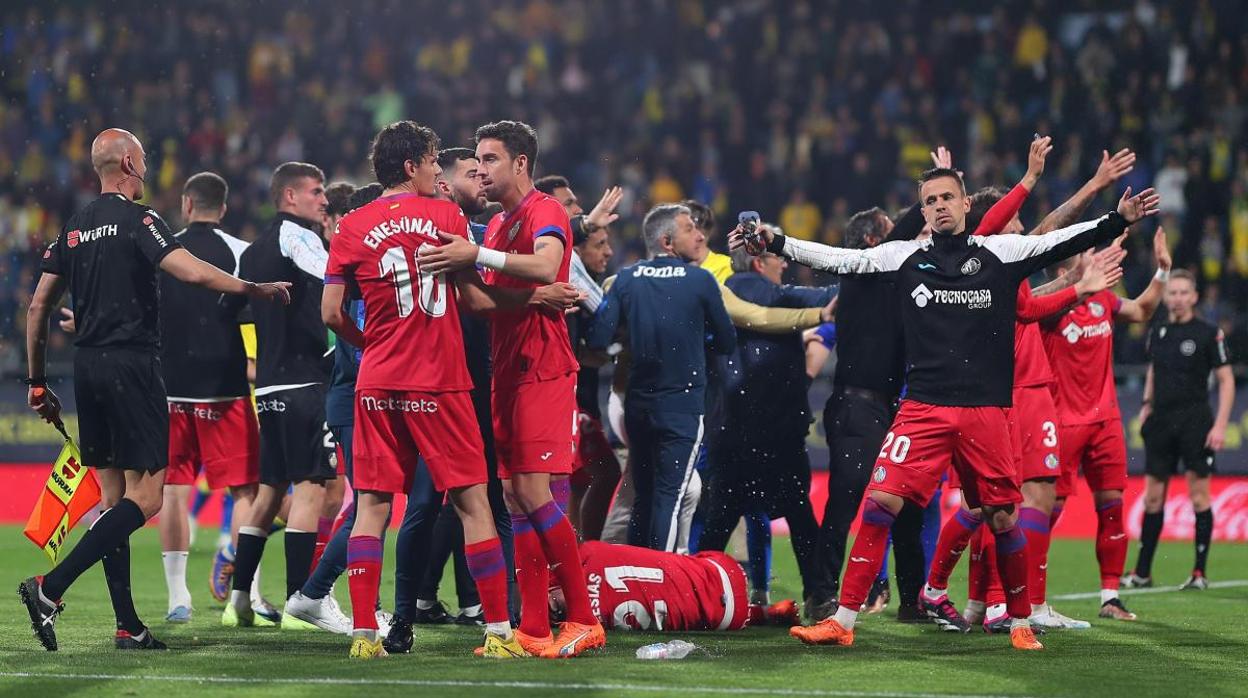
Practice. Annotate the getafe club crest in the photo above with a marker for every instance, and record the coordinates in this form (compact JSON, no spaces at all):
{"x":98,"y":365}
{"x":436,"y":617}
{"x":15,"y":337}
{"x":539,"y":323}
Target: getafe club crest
{"x":1096,"y":309}
{"x":511,"y":234}
{"x":970,"y":266}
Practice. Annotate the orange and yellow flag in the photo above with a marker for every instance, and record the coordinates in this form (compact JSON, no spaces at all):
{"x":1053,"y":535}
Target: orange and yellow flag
{"x":71,"y":491}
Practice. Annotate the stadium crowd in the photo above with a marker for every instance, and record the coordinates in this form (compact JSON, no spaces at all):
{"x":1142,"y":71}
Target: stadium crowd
{"x":803,"y":111}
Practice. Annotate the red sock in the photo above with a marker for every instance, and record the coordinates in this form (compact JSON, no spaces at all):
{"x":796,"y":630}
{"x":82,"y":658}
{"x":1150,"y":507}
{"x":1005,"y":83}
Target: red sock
{"x":977,"y":577}
{"x":1111,"y":542}
{"x":342,"y":518}
{"x":532,"y":577}
{"x":867,"y":555}
{"x":324,"y":531}
{"x":489,"y":570}
{"x":1035,"y":525}
{"x":994,"y":591}
{"x":364,"y":579}
{"x":953,"y":540}
{"x":1012,"y":565}
{"x":558,"y":540}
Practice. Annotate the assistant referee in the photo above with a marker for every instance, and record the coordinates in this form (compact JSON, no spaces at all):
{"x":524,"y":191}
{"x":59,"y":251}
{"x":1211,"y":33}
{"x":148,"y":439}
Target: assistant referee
{"x":107,"y":256}
{"x":1177,"y":424}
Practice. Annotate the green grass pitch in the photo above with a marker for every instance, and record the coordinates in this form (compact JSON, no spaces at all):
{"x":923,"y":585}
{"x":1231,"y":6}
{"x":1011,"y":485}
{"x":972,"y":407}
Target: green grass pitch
{"x":1193,"y":643}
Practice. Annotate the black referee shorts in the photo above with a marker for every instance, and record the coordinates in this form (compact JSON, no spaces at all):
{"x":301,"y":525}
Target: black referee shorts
{"x":295,"y":443}
{"x":123,"y":418}
{"x":1174,"y":435}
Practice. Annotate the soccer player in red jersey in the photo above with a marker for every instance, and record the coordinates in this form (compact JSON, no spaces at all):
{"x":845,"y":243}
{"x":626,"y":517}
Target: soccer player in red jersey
{"x":413,"y":390}
{"x":632,"y":588}
{"x":1080,"y":347}
{"x":534,"y":394}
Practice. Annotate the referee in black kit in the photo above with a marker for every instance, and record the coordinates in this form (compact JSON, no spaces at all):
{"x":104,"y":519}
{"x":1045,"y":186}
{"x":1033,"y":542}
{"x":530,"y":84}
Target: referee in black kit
{"x":1177,"y":424}
{"x":108,"y":255}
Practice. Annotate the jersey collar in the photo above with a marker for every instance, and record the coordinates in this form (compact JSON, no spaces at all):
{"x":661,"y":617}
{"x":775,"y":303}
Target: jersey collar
{"x":304,"y":222}
{"x":507,"y":215}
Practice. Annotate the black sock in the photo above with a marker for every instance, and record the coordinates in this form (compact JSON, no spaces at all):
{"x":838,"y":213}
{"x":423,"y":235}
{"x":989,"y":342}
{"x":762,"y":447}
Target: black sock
{"x":109,"y":531}
{"x":300,"y":546}
{"x":117,"y":574}
{"x":1150,"y":533}
{"x":247,"y":559}
{"x":1204,"y":536}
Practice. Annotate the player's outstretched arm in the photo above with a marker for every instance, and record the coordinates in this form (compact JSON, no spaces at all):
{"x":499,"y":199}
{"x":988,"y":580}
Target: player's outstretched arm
{"x":750,"y":316}
{"x":1110,"y":170}
{"x":188,"y":268}
{"x":1142,"y":307}
{"x":332,"y":315}
{"x":456,"y":254}
{"x":47,"y":295}
{"x":838,"y":260}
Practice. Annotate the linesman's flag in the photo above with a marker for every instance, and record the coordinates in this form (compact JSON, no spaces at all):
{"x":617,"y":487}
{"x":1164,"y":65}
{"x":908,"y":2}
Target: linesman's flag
{"x":71,"y":491}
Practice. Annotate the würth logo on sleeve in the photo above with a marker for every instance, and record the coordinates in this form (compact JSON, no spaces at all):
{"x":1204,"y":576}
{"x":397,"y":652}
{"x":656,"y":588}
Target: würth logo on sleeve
{"x":74,"y":237}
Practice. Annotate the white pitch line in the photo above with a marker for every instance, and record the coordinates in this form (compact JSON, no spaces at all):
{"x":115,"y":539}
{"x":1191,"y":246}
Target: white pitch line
{"x":1227,"y":584}
{"x":528,"y":685}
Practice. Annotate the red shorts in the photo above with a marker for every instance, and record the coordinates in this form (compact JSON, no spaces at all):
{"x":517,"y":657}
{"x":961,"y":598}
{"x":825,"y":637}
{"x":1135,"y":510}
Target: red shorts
{"x":925,"y":439}
{"x":395,"y":427}
{"x":533,"y":426}
{"x":1099,"y":450}
{"x":591,"y":446}
{"x":1035,"y":417}
{"x":221,"y":437}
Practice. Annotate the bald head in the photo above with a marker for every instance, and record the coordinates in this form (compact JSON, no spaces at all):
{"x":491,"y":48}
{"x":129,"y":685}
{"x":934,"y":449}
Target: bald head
{"x":110,"y":148}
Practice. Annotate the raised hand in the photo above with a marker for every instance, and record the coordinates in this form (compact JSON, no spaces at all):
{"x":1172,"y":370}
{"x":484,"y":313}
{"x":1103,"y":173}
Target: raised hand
{"x":604,"y":213}
{"x":1140,"y":206}
{"x":1102,"y":272}
{"x":1113,"y":168}
{"x":1036,"y":156}
{"x":1161,"y":252}
{"x":942,"y":158}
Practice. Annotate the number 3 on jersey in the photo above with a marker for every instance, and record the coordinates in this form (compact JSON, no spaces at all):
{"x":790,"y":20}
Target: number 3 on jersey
{"x":896,"y":448}
{"x":394,"y":263}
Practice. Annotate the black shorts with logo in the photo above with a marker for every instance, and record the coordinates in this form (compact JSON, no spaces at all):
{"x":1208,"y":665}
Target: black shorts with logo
{"x":1174,"y":435}
{"x":295,"y":443}
{"x":123,"y":418}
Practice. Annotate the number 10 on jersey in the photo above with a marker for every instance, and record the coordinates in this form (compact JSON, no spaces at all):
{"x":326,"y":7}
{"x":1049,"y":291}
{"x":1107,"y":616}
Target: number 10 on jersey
{"x":395,"y":264}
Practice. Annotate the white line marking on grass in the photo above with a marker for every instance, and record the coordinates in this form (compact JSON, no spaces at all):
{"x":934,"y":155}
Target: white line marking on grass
{"x":1227,"y":584}
{"x":526,"y":685}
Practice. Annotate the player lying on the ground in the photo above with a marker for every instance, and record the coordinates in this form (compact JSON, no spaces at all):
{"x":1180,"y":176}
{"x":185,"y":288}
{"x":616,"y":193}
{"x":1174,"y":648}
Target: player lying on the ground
{"x":633,"y":588}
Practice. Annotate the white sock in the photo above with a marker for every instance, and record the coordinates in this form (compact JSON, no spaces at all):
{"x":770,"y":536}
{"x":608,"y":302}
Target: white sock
{"x":369,"y":633}
{"x":424,"y":604}
{"x":1038,"y":608}
{"x":846,"y":617}
{"x":239,"y":600}
{"x":175,"y":578}
{"x":255,"y":588}
{"x":1108,"y":595}
{"x":974,"y":609}
{"x":932,"y":593}
{"x":502,"y":629}
{"x":1019,"y":623}
{"x":471,"y":610}
{"x":995,"y":611}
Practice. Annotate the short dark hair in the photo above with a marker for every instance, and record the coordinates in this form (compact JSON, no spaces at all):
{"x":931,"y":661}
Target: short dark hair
{"x":338,"y":195}
{"x":1181,"y":273}
{"x":938,"y":172}
{"x":207,"y":190}
{"x":287,"y":174}
{"x":364,"y":195}
{"x":517,"y":137}
{"x":450,"y":156}
{"x":703,"y":215}
{"x":863,"y":225}
{"x":981,"y":201}
{"x":549,"y":183}
{"x":398,"y":143}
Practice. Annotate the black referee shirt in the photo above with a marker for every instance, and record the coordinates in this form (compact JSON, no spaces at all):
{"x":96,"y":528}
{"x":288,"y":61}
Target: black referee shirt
{"x":1183,"y":354}
{"x":291,"y":341}
{"x":202,"y":354}
{"x":109,"y":252}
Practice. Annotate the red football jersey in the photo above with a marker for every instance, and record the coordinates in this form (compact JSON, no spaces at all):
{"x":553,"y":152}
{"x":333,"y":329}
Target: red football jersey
{"x":1031,"y":366}
{"x":531,"y":344}
{"x":1080,"y":346}
{"x":411,"y":322}
{"x":641,"y":589}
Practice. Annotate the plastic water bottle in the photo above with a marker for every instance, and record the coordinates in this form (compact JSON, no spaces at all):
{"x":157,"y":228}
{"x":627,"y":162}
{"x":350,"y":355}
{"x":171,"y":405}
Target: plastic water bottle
{"x":676,"y":649}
